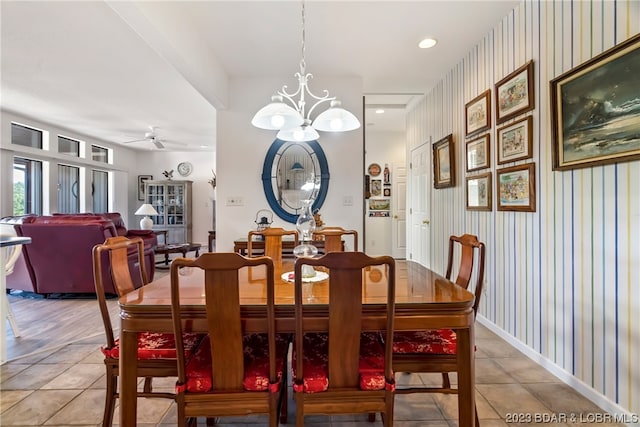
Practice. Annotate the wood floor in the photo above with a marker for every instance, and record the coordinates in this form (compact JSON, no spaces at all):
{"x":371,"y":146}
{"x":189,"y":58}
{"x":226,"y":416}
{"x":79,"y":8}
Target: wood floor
{"x":47,"y":324}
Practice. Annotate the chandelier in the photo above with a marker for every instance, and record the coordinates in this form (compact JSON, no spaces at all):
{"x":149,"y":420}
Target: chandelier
{"x":292,"y":118}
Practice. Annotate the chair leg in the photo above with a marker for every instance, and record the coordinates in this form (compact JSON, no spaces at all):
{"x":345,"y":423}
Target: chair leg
{"x":11,"y":317}
{"x":147,"y":385}
{"x":372,"y":417}
{"x":211,"y":421}
{"x":284,"y":406}
{"x":110,"y":396}
{"x":445,"y":380}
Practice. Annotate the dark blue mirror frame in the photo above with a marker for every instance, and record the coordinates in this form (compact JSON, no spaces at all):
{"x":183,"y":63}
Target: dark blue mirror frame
{"x":267,"y":178}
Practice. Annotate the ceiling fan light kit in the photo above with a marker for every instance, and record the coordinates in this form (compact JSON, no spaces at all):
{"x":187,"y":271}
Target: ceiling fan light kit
{"x":293,"y":121}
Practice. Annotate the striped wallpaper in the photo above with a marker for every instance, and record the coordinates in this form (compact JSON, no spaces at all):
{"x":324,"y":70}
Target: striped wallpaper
{"x":563,"y":283}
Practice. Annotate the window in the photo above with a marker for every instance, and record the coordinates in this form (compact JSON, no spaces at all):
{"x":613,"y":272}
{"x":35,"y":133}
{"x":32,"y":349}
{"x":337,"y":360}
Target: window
{"x":99,"y":154}
{"x":27,"y":186}
{"x":100,"y":191}
{"x":28,"y":137}
{"x":68,"y":189}
{"x":68,"y":146}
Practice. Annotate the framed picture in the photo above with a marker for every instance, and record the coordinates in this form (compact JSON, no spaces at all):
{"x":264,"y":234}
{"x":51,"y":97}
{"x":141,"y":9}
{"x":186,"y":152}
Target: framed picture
{"x":387,"y":192}
{"x":515,"y":141}
{"x":514,"y":93}
{"x":479,"y":192}
{"x":478,"y":153}
{"x":516,"y":188}
{"x":477,"y":113}
{"x":141,"y":180}
{"x":594,"y":119}
{"x":376,"y":187}
{"x":379,"y":204}
{"x":444,"y":170}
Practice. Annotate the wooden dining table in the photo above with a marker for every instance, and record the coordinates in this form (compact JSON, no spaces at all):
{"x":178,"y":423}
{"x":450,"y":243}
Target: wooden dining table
{"x":424,"y":300}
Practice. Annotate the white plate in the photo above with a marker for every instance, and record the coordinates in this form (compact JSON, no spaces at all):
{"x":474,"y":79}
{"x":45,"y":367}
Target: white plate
{"x":319,"y":277}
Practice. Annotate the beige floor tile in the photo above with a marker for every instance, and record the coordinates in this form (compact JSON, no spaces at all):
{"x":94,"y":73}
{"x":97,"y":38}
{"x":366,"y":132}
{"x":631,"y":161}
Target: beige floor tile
{"x":8,"y":398}
{"x":448,"y":404}
{"x":78,"y":376}
{"x":150,"y":410}
{"x":497,"y":348}
{"x":72,"y":353}
{"x":489,"y":372}
{"x":525,"y":370}
{"x":8,"y":370}
{"x":511,"y":398}
{"x":38,"y":407}
{"x":415,"y":407}
{"x":34,"y":377}
{"x":86,"y":408}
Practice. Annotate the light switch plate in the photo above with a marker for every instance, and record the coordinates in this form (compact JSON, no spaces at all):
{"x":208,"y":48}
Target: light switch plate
{"x":235,"y":201}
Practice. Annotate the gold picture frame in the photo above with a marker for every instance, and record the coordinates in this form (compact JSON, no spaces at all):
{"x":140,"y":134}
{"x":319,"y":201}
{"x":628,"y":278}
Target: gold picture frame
{"x":478,"y":153}
{"x":594,"y":120}
{"x":479,"y":192}
{"x":477,"y":113}
{"x":515,"y":93}
{"x":515,"y":141}
{"x":516,"y":188}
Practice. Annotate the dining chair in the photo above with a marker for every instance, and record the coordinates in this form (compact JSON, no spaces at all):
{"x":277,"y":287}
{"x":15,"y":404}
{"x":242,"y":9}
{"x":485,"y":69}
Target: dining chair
{"x":272,"y":242}
{"x":123,"y":259}
{"x":341,"y":368}
{"x":232,"y":372}
{"x":332,"y":237}
{"x":436,"y":350}
{"x":10,"y":257}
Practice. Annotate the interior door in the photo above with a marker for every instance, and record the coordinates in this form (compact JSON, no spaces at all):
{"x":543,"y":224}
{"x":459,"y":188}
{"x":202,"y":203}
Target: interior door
{"x":420,"y":235}
{"x":399,"y":206}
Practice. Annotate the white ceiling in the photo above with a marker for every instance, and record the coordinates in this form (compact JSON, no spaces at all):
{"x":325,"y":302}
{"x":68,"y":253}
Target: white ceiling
{"x":112,"y":69}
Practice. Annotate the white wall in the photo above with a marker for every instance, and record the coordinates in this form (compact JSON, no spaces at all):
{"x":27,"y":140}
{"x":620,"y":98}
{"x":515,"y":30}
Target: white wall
{"x":382,"y":148}
{"x":241,"y":150}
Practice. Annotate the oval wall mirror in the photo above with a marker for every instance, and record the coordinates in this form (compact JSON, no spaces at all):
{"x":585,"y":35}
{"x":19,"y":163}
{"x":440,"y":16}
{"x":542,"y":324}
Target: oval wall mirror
{"x":292,"y":172}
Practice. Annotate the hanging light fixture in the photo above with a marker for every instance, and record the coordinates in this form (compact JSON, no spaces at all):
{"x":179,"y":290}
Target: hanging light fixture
{"x":293,"y":120}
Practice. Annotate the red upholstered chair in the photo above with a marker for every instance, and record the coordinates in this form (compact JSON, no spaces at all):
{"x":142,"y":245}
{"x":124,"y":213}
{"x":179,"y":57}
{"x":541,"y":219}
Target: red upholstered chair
{"x":333,"y":238}
{"x":340,"y":369}
{"x":156,"y":351}
{"x":232,"y":372}
{"x":435,"y":350}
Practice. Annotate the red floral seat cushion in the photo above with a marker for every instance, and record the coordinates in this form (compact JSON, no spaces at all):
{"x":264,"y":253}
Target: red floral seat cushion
{"x":256,"y":364}
{"x":316,"y":364}
{"x":153,"y":345}
{"x":435,"y":341}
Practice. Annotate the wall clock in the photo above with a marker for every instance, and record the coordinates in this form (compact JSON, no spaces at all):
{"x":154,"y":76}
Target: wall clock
{"x":185,"y":168}
{"x":374,"y":169}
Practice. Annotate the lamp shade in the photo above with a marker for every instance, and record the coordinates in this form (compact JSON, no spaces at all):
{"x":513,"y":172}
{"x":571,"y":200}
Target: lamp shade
{"x":277,"y":115}
{"x":297,"y":167}
{"x":298,"y":134}
{"x":146,"y":209}
{"x":336,"y":119}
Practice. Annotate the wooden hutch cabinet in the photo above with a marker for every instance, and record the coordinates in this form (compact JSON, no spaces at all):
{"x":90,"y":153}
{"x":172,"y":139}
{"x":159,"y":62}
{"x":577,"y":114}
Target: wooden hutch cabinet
{"x":172,"y":200}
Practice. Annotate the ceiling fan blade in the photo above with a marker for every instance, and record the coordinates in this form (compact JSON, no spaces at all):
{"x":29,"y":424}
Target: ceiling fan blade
{"x":157,"y":143}
{"x":135,"y":140}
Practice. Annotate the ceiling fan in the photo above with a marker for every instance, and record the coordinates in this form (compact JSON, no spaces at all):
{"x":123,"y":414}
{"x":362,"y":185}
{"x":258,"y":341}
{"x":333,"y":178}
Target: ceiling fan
{"x":151,"y":137}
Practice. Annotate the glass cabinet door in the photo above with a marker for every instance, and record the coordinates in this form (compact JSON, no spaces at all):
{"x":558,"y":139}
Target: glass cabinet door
{"x":156,"y":197}
{"x":175,"y":206}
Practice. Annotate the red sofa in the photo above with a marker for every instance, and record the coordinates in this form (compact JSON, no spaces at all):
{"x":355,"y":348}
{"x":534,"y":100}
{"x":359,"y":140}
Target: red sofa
{"x":59,"y":258}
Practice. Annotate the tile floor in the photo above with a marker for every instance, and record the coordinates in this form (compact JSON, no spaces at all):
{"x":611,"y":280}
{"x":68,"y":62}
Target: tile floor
{"x":66,"y":388}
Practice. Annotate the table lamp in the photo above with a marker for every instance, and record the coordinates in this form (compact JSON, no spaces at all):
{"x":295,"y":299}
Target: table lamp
{"x":146,"y":210}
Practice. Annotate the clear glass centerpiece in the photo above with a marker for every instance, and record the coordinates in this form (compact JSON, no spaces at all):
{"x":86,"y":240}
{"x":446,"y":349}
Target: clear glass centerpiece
{"x":306,"y":225}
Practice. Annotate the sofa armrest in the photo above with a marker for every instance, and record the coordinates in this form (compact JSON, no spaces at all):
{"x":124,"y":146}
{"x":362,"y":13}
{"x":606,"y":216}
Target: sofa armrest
{"x":148,"y":236}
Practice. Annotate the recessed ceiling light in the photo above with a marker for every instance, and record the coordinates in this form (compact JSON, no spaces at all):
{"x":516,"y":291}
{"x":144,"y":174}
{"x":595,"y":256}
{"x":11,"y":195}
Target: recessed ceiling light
{"x":427,"y":43}
{"x":379,"y":111}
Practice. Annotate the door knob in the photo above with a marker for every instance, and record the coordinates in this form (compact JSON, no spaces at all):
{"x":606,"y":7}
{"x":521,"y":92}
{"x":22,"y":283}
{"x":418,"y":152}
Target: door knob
{"x":425,"y":221}
{"x":395,"y":217}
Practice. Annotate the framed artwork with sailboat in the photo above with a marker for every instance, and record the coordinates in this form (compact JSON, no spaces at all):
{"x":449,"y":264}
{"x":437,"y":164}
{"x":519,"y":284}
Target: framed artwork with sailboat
{"x":596,"y":109}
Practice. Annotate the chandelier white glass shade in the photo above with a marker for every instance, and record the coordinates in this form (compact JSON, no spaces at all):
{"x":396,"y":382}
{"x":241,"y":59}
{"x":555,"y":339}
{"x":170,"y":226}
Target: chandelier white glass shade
{"x":291,"y":117}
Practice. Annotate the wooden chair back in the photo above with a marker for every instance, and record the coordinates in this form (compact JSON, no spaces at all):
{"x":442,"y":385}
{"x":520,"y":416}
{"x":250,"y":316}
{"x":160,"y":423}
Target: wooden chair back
{"x":333,"y":238}
{"x":346,"y":286}
{"x":225,"y":331}
{"x":272,"y":242}
{"x":469,"y":245}
{"x":116,"y":251}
